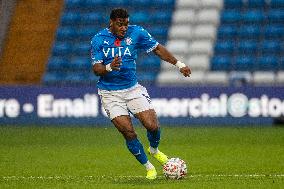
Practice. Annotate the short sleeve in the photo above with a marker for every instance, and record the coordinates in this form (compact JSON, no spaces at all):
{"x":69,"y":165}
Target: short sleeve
{"x":96,"y":52}
{"x":146,"y":41}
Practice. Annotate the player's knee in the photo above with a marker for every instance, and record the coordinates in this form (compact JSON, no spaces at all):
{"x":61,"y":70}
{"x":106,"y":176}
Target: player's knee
{"x":152,"y":126}
{"x":129,"y":134}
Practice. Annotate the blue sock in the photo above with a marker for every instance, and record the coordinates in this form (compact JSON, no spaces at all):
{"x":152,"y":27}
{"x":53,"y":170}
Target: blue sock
{"x":136,"y":148}
{"x":154,"y":138}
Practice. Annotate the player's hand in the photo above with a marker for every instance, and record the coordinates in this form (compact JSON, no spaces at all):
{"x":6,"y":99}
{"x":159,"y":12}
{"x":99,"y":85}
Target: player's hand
{"x":185,"y":71}
{"x":116,"y":63}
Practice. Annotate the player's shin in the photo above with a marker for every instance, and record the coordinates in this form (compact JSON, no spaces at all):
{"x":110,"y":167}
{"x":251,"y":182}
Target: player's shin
{"x":154,"y":139}
{"x":136,"y":148}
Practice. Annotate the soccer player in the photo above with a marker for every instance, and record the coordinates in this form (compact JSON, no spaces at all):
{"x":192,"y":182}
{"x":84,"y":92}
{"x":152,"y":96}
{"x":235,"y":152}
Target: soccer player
{"x":114,"y":53}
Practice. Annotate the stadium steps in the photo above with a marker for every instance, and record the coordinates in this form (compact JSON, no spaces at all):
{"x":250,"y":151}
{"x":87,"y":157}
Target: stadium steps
{"x":28,"y":41}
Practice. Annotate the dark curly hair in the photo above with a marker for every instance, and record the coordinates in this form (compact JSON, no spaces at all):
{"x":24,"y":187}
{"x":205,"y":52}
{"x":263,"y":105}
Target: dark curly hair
{"x":118,"y":13}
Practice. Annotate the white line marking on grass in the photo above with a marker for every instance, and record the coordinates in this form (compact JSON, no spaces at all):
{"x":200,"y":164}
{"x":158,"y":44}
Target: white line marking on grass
{"x":7,"y":178}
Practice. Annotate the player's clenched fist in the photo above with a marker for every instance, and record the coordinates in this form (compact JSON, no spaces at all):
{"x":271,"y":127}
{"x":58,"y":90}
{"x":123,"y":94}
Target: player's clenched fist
{"x":185,"y":71}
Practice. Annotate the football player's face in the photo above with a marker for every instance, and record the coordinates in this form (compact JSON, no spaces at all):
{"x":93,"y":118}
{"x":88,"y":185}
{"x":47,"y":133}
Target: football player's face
{"x":119,"y":26}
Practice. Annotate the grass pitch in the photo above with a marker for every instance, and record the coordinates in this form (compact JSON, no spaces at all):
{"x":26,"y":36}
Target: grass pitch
{"x":85,"y":157}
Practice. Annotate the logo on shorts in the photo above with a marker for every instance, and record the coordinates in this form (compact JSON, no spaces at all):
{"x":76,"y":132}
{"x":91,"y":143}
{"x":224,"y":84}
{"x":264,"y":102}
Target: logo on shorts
{"x":128,"y":41}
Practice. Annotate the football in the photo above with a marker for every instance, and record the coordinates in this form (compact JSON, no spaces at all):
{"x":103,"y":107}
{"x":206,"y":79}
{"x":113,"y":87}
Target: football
{"x":175,"y":168}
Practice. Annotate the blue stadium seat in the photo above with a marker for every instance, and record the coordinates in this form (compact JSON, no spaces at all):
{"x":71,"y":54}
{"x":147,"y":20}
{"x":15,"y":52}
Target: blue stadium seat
{"x":277,"y":3}
{"x":92,"y":4}
{"x":53,"y":77}
{"x":80,"y":64}
{"x":160,"y":17}
{"x":72,"y":3}
{"x":221,"y":63}
{"x":81,"y":49}
{"x":163,"y":3}
{"x":61,"y":49}
{"x":224,"y":47}
{"x":249,"y":31}
{"x":253,"y":16}
{"x":276,"y":16}
{"x":230,"y":16}
{"x":158,"y":31}
{"x":115,"y":3}
{"x":244,"y":63}
{"x":256,"y":3}
{"x":149,"y":62}
{"x":247,"y":47}
{"x":270,"y":47}
{"x":75,"y":77}
{"x":281,"y":62}
{"x":274,"y":31}
{"x":140,"y":17}
{"x":227,"y":31}
{"x":64,"y":33}
{"x":140,"y":3}
{"x":87,"y":32}
{"x":91,"y":18}
{"x":233,"y":4}
{"x":267,"y":63}
{"x":70,"y":18}
{"x":57,"y":63}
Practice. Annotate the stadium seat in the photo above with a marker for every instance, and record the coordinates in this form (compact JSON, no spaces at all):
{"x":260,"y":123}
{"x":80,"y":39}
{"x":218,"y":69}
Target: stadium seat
{"x":61,"y":49}
{"x":82,"y":49}
{"x":274,"y":31}
{"x":80,"y":64}
{"x":93,"y":4}
{"x":183,"y":16}
{"x":216,"y":78}
{"x":270,"y":47}
{"x":208,"y":16}
{"x":216,"y":4}
{"x":160,"y":17}
{"x":253,"y":17}
{"x":91,"y":18}
{"x":221,"y":63}
{"x":261,"y":78}
{"x":53,"y":77}
{"x":70,"y":18}
{"x":140,"y":3}
{"x":256,"y":4}
{"x":267,"y":63}
{"x":201,"y":47}
{"x":72,"y":3}
{"x":178,"y":46}
{"x":86,"y":32}
{"x":249,"y":31}
{"x":227,"y":32}
{"x":180,"y":31}
{"x":231,"y":16}
{"x":234,"y":4}
{"x":64,"y":33}
{"x":140,"y":17}
{"x":277,"y":3}
{"x":158,"y":31}
{"x":204,"y":31}
{"x":57,"y":63}
{"x":224,"y":47}
{"x":185,"y":4}
{"x":240,"y":78}
{"x":244,"y":63}
{"x":198,"y":62}
{"x":247,"y":47}
{"x":276,"y":16}
{"x":279,"y":78}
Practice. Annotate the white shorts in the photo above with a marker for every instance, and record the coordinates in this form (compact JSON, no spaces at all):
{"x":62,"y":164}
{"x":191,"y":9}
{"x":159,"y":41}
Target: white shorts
{"x":123,"y":102}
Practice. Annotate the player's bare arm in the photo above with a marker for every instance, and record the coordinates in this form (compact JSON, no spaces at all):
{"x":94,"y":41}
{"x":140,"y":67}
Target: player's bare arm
{"x":165,"y":55}
{"x":100,"y":69}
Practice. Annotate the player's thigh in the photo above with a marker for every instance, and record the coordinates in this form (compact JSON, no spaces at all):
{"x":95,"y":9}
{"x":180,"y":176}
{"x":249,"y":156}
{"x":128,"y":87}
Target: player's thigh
{"x":124,"y":125}
{"x":149,"y":119}
{"x":138,"y":100}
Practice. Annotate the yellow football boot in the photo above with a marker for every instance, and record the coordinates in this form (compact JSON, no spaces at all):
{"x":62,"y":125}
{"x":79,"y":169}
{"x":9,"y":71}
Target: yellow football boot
{"x":160,"y":156}
{"x":151,"y":174}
